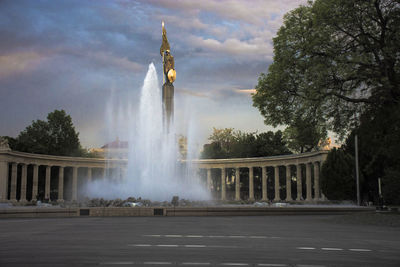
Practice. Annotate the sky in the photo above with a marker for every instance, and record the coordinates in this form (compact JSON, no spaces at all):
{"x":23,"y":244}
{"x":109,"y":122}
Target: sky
{"x":77,"y":55}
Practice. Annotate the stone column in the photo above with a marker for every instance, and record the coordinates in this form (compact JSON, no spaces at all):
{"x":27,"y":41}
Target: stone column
{"x":209,"y":179}
{"x":308,"y":182}
{"x":74,"y":183}
{"x":35,"y":181}
{"x":60,"y":184}
{"x":89,"y":174}
{"x":24,"y":178}
{"x":288,"y":184}
{"x":223,"y":187}
{"x":251,"y":183}
{"x":13,"y":191}
{"x":316,"y":181}
{"x":3,"y":181}
{"x":47,"y":184}
{"x":237,"y":184}
{"x":277,"y":187}
{"x":299,"y":182}
{"x":264,"y":184}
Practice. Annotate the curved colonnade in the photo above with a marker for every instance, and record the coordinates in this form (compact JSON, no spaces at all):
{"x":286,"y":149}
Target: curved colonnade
{"x":25,"y":177}
{"x":271,"y":170}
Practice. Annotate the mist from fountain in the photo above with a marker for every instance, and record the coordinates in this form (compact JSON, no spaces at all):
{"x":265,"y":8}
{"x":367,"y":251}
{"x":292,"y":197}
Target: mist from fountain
{"x":154,"y":170}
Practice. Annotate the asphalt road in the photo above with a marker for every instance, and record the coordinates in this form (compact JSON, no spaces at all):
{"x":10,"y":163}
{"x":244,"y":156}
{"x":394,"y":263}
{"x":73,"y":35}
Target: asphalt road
{"x":197,"y":241}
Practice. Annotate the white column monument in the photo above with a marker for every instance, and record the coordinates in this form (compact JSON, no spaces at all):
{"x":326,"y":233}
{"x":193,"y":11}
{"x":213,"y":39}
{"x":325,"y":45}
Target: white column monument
{"x":264,"y":184}
{"x":288,"y":184}
{"x":277,"y":187}
{"x":299,"y":182}
{"x":60,"y":184}
{"x":237,"y":184}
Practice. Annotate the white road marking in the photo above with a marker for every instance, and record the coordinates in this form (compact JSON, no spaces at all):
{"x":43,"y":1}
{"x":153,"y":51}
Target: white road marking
{"x":157,"y":262}
{"x":234,"y":264}
{"x":360,"y":249}
{"x":175,"y":246}
{"x":196,"y":263}
{"x":195,"y":246}
{"x":334,"y":249}
{"x":307,"y":265}
{"x":117,"y":263}
{"x":272,"y":264}
{"x":212,"y":236}
{"x":222,"y":246}
{"x":305,"y":248}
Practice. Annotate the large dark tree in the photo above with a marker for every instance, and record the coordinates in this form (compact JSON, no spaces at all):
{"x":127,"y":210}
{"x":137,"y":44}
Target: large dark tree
{"x":333,"y":59}
{"x":56,"y":136}
{"x":337,"y":179}
{"x":338,"y":62}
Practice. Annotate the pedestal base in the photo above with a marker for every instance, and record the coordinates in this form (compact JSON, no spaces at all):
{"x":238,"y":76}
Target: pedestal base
{"x":168,"y":103}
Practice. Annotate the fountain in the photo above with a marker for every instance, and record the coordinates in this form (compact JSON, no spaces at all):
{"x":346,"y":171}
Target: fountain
{"x":154,"y":170}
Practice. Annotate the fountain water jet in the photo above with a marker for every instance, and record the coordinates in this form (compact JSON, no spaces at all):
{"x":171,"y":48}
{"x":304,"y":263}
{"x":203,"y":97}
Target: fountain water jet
{"x":154,"y":170}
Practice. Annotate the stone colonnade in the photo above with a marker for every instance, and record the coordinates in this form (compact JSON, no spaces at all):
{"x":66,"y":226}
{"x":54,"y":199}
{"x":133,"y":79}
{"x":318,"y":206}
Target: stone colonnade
{"x":56,"y":170}
{"x":14,"y":176}
{"x":294,"y":166}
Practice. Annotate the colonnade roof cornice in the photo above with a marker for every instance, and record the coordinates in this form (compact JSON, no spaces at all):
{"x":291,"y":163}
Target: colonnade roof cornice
{"x":271,"y":161}
{"x":51,"y":160}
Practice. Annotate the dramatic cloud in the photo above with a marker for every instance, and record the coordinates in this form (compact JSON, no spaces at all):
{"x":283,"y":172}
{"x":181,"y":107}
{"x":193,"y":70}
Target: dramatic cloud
{"x":16,"y":63}
{"x":77,"y":55}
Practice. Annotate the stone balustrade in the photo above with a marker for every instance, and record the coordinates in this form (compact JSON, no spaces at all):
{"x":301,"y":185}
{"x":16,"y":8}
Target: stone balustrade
{"x":25,"y":176}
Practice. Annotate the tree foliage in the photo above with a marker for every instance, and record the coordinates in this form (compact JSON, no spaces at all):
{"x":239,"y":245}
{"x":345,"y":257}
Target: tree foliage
{"x":304,"y":135}
{"x":337,"y":179}
{"x":338,"y":62}
{"x":378,"y":145}
{"x":56,"y":136}
{"x":333,"y":58}
{"x":228,"y":143}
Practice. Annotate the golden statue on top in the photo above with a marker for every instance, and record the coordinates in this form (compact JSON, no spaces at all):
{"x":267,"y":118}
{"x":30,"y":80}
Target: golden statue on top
{"x":168,"y":59}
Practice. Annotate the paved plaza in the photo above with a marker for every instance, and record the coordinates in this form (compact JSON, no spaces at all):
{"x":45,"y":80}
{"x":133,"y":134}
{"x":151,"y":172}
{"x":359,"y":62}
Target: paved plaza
{"x":334,"y":240}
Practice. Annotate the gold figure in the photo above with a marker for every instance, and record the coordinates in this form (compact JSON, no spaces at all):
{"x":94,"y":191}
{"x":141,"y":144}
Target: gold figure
{"x":164,"y":45}
{"x":168,"y":59}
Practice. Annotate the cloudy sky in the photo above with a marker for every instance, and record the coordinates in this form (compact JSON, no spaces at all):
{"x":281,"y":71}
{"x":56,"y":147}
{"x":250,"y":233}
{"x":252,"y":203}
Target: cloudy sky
{"x":77,"y":55}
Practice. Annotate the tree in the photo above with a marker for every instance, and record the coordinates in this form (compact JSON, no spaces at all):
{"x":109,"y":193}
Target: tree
{"x":56,"y":136}
{"x":270,"y":144}
{"x":228,"y":143}
{"x":333,"y":59}
{"x":224,"y":138}
{"x":304,"y":135}
{"x":378,"y":145}
{"x":338,"y":62}
{"x":337,"y":179}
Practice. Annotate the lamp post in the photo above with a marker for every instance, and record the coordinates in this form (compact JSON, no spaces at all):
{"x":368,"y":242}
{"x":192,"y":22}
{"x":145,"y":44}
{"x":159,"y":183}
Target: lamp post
{"x":357,"y":173}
